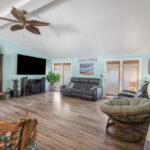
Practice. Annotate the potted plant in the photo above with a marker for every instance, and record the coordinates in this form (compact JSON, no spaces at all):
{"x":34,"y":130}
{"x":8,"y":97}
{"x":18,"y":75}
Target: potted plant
{"x":52,"y":78}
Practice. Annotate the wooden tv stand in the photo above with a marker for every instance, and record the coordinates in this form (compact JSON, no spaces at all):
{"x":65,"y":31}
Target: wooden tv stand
{"x":32,"y":86}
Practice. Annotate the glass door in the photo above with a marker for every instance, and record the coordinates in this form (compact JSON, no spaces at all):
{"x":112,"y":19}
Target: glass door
{"x":130,"y":75}
{"x":122,"y":75}
{"x":58,"y":70}
{"x":112,"y":78}
{"x":64,"y":69}
{"x":66,"y":73}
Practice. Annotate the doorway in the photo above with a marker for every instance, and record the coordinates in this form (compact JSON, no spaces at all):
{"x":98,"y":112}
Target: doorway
{"x":113,"y":78}
{"x":121,"y":75}
{"x":130,"y":75}
{"x":65,"y":71}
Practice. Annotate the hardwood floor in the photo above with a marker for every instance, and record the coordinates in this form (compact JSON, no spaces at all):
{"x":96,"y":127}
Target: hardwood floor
{"x":65,"y":123}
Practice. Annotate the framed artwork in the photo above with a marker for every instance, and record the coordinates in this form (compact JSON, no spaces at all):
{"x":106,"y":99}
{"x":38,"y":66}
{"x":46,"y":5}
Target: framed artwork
{"x":87,"y":69}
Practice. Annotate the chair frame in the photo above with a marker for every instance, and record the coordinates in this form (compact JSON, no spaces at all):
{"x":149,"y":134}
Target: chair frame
{"x":114,"y":125}
{"x":28,"y":133}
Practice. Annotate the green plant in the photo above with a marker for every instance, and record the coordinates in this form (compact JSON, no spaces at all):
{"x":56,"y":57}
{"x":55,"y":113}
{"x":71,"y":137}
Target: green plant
{"x":52,"y":77}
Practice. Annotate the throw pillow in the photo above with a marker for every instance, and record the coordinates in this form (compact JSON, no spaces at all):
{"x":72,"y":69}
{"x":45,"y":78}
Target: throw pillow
{"x":93,"y":88}
{"x":70,"y":85}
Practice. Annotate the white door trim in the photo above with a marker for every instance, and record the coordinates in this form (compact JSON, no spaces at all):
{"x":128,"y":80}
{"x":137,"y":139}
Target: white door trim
{"x":121,"y":67}
{"x":61,"y":62}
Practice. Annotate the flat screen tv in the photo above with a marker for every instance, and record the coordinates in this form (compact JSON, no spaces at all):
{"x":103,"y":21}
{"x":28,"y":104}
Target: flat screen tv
{"x":28,"y":65}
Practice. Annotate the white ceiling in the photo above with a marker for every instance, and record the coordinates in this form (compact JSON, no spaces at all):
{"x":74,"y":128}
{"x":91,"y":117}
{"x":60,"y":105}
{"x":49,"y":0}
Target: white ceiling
{"x":5,"y":5}
{"x":87,"y":28}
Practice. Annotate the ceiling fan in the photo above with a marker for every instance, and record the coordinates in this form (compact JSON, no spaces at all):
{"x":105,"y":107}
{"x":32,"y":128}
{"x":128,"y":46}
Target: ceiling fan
{"x":23,"y":23}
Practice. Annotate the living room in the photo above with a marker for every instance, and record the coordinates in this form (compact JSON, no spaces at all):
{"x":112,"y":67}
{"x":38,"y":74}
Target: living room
{"x":74,"y":75}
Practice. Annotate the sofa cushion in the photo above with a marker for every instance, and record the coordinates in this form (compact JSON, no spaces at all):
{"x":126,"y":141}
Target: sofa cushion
{"x":70,"y":85}
{"x":93,"y":88}
{"x":76,"y":94}
{"x":67,"y":89}
{"x":75,"y":85}
{"x":83,"y":80}
{"x":74,"y":79}
{"x":94,"y":80}
{"x":73,"y":90}
{"x":90,"y":97}
{"x":82,"y":85}
{"x":90,"y":85}
{"x":88,"y":92}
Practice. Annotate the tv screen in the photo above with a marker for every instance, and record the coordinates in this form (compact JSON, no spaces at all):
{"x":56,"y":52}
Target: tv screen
{"x":28,"y":65}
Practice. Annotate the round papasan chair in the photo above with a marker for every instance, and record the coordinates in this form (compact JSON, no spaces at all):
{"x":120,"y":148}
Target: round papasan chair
{"x":124,"y":117}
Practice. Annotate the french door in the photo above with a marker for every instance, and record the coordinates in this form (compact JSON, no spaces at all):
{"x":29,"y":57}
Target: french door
{"x":121,"y":75}
{"x":64,"y":69}
{"x":58,"y":70}
{"x":130,"y":75}
{"x":113,"y":78}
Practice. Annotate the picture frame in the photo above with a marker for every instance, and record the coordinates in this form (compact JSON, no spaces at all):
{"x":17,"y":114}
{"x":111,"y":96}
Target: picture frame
{"x":87,"y":69}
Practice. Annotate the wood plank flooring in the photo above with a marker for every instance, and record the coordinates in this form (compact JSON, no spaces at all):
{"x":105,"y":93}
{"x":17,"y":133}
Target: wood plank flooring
{"x":65,"y":123}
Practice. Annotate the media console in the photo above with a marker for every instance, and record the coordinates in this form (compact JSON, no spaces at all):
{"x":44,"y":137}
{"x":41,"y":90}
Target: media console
{"x":32,"y":86}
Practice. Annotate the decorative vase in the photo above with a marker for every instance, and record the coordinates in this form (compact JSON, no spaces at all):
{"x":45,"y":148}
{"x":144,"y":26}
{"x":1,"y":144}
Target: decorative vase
{"x":52,"y":86}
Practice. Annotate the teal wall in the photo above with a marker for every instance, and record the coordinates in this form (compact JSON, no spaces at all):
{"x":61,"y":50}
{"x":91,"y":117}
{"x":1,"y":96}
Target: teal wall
{"x":76,"y":67}
{"x":144,"y":60}
{"x":10,"y":52}
{"x":99,"y":65}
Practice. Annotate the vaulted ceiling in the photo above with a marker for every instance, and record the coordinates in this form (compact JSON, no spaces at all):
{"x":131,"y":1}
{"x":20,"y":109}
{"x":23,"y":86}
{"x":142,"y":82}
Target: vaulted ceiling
{"x":83,"y":28}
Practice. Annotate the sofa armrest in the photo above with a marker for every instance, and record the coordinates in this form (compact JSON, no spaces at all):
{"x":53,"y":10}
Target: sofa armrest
{"x":97,"y":93}
{"x":127,"y":93}
{"x":63,"y":86}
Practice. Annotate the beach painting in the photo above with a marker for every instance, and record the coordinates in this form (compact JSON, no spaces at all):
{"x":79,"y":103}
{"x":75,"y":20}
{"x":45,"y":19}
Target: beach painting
{"x":87,"y":69}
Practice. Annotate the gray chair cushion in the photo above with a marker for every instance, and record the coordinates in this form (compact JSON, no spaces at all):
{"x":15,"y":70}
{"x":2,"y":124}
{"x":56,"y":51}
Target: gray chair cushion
{"x":137,"y":109}
{"x":126,"y":106}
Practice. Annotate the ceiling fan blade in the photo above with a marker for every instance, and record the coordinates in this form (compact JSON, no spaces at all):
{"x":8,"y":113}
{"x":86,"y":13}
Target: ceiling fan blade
{"x":7,"y":19}
{"x":33,"y":29}
{"x":16,"y":27}
{"x":17,"y":14}
{"x":38,"y":23}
